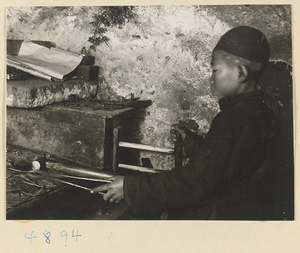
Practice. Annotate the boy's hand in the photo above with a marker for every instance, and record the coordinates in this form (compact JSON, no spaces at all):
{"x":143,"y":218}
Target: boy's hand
{"x":114,"y":189}
{"x":184,"y":127}
{"x":181,"y":130}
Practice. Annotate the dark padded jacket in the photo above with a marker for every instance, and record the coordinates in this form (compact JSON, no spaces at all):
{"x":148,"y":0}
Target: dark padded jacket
{"x":225,"y":175}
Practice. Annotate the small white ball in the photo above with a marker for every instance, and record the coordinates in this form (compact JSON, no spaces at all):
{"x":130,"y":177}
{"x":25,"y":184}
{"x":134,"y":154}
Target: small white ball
{"x":35,"y":165}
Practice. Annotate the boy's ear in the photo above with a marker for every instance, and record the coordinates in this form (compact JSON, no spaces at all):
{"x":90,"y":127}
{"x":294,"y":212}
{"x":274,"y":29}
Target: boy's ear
{"x":244,"y":73}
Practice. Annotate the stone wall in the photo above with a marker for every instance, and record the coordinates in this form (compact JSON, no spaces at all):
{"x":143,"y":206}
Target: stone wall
{"x":162,"y":55}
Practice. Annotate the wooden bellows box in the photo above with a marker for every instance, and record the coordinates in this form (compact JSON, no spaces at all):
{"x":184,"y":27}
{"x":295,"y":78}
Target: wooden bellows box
{"x":82,"y":135}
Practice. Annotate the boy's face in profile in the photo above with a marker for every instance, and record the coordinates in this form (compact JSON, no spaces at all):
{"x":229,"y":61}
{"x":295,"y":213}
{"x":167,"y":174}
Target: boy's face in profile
{"x":224,"y":80}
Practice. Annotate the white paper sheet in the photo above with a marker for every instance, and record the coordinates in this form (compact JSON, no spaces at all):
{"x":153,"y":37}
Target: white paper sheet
{"x":42,"y":61}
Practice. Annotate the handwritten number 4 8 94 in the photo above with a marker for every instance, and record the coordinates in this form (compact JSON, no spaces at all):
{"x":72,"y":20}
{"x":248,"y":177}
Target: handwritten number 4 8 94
{"x":47,"y":235}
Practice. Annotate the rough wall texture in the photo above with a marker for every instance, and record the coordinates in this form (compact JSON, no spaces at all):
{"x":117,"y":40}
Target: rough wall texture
{"x":163,"y":55}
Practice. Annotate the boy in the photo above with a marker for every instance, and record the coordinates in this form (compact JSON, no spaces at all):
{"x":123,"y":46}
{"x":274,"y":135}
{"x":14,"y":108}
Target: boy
{"x":225,"y":177}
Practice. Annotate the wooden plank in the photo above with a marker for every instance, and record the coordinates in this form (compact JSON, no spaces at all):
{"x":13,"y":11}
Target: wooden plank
{"x":145,"y":147}
{"x":115,"y":148}
{"x":138,"y":168}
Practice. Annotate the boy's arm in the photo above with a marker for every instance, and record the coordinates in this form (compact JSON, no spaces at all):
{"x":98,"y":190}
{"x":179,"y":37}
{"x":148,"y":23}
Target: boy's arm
{"x":190,"y":143}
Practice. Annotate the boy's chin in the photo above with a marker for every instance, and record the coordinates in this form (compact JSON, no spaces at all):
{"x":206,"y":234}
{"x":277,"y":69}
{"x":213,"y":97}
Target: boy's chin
{"x":216,"y":94}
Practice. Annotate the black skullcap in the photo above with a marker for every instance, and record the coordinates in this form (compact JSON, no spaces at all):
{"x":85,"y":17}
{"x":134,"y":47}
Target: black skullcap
{"x":245,"y":42}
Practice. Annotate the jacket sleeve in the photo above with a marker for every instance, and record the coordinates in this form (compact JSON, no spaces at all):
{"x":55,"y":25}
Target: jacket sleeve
{"x":148,"y":193}
{"x":189,"y":144}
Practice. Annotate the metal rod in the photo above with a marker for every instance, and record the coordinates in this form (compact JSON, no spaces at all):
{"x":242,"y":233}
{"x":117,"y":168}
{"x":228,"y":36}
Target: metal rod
{"x":76,"y":185}
{"x":145,"y":147}
{"x":83,"y":178}
{"x":78,"y":171}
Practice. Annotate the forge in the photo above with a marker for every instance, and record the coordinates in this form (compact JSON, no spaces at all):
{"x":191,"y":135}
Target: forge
{"x":61,"y":124}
